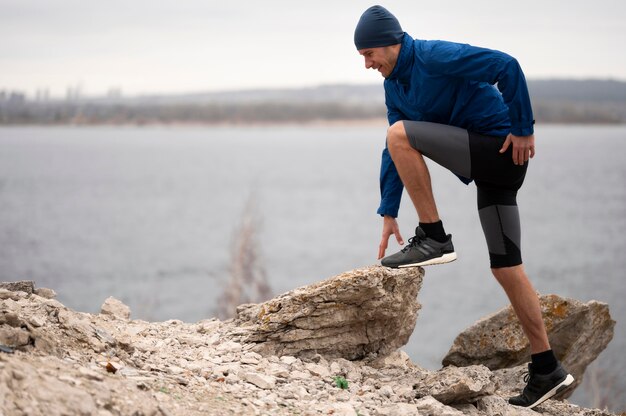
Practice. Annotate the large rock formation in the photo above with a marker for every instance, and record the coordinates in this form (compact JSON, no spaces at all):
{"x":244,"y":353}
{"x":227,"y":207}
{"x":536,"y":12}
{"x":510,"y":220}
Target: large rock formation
{"x":352,"y":315}
{"x":577,"y":331}
{"x":56,"y":361}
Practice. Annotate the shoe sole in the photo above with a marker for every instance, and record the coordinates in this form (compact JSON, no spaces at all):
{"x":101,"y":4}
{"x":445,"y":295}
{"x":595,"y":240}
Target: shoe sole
{"x":446,"y":258}
{"x":560,"y":388}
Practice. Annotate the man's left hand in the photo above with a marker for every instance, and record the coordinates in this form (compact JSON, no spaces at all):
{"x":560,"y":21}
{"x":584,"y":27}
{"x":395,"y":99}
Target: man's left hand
{"x":523,"y":147}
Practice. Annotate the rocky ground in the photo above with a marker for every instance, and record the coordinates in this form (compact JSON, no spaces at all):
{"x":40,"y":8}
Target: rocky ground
{"x":287,"y":356}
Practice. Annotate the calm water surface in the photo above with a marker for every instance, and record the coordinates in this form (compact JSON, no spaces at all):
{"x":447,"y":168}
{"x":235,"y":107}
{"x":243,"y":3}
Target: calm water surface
{"x":148,"y":215}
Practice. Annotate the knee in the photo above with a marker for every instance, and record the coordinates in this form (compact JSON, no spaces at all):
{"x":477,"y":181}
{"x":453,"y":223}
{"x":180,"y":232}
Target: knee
{"x":397,"y":139}
{"x":510,"y":277}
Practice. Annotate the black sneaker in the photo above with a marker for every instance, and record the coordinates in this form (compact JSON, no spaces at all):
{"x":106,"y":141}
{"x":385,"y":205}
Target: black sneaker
{"x":421,"y":251}
{"x":541,"y":387}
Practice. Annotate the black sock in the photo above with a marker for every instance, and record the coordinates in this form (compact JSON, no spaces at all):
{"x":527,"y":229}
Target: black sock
{"x":434,"y":230}
{"x":544,"y":362}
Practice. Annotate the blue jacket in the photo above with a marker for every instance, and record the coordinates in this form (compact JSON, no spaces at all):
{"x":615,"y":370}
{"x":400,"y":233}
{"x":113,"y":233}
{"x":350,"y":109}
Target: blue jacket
{"x":452,"y":83}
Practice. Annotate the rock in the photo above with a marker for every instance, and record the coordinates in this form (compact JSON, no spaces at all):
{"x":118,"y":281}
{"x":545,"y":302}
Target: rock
{"x":458,"y":384}
{"x":251,"y":358}
{"x":364,"y":311}
{"x":399,"y":359}
{"x":386,"y":391}
{"x":42,"y":394}
{"x":318,"y":370}
{"x":466,"y":408}
{"x":342,"y":409}
{"x":429,"y":406}
{"x":11,"y":319}
{"x":94,"y":364}
{"x":287,"y":359}
{"x":46,"y":293}
{"x":399,"y":409}
{"x":496,"y":406}
{"x":27,"y":286}
{"x":578,"y":332}
{"x":13,"y":337}
{"x":116,"y":308}
{"x":262,"y":381}
{"x":37,"y":321}
{"x":8,"y":294}
{"x":558,"y":408}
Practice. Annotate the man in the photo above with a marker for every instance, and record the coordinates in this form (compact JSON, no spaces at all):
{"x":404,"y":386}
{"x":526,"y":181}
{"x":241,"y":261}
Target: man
{"x":442,"y":104}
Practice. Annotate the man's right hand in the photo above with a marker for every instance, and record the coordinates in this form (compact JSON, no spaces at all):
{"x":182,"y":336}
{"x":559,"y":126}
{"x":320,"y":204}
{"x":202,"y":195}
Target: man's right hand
{"x":390,"y":226}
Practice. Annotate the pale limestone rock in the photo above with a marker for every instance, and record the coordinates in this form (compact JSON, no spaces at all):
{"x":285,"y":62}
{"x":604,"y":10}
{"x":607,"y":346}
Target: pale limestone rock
{"x":27,"y":286}
{"x":277,"y":370}
{"x":510,"y":381}
{"x":466,"y":408}
{"x":369,"y":310}
{"x":578,"y":332}
{"x":90,"y":374}
{"x":262,"y":381}
{"x":497,"y":406}
{"x":299,"y":375}
{"x":170,"y":369}
{"x":11,"y":319}
{"x":317,"y":370}
{"x":45,"y":293}
{"x":37,"y":321}
{"x":14,"y":337}
{"x":8,"y":294}
{"x":457,"y":384}
{"x":335,"y":368}
{"x":343,"y":409}
{"x":559,"y":408}
{"x":399,"y":359}
{"x":386,"y":391}
{"x":287,"y":359}
{"x":116,"y":308}
{"x":251,"y":358}
{"x":429,"y":406}
{"x":398,"y":409}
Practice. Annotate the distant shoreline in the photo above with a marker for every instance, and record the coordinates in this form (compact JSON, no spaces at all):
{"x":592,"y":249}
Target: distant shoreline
{"x":373,"y":122}
{"x":553,"y":101}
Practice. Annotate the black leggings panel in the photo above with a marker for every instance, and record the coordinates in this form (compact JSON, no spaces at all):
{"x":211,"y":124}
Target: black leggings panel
{"x":497,"y":179}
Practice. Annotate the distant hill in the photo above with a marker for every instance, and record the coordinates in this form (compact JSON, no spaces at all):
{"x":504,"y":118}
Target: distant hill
{"x":583,"y":90}
{"x":550,"y":89}
{"x":341,"y":93}
{"x":554,"y":101}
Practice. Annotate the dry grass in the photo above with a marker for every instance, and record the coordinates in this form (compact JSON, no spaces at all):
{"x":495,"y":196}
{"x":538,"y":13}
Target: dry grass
{"x":247,"y":282}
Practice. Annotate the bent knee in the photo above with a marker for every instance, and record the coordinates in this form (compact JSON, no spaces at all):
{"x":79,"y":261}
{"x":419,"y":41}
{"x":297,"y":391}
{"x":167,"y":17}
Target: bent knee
{"x":396,"y":137}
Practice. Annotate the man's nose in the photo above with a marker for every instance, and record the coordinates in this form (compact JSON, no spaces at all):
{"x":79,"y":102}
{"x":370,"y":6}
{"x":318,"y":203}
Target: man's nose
{"x":368,"y":63}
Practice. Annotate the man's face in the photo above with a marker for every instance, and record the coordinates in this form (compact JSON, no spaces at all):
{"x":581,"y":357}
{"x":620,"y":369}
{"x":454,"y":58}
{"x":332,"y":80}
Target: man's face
{"x":382,"y":59}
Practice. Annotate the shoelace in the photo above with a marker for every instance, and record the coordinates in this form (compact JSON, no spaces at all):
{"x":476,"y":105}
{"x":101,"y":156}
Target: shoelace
{"x":413,"y":242}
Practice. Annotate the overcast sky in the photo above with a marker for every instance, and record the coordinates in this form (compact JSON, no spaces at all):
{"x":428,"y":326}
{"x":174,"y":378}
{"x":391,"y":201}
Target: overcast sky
{"x":165,"y":46}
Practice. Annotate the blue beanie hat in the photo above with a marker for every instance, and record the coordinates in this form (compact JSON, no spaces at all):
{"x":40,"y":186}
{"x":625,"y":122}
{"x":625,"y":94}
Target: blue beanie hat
{"x":377,"y":27}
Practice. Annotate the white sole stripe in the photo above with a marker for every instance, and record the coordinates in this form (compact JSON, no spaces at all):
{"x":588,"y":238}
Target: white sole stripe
{"x":446,"y":258}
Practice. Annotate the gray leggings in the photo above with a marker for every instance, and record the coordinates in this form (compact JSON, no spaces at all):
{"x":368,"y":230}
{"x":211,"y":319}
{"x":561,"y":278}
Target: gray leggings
{"x":497,"y":180}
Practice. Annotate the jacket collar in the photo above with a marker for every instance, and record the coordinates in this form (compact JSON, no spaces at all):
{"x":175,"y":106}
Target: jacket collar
{"x":404,"y":65}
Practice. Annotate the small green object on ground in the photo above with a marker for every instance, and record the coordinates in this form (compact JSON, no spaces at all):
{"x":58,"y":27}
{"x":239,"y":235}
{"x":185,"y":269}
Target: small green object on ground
{"x":341,"y":382}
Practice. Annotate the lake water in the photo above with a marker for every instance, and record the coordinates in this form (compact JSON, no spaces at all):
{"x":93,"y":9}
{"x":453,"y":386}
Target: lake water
{"x":149,"y":215}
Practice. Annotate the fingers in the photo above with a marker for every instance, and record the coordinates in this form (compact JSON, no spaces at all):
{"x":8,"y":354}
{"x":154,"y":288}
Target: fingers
{"x":382,"y":247}
{"x":522,"y":154}
{"x":399,"y":239}
{"x":506,"y":144}
{"x":518,"y":156}
{"x":523,"y":148}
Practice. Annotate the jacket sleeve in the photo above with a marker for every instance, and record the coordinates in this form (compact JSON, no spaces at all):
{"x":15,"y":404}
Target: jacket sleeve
{"x":390,"y":184}
{"x":486,"y":65}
